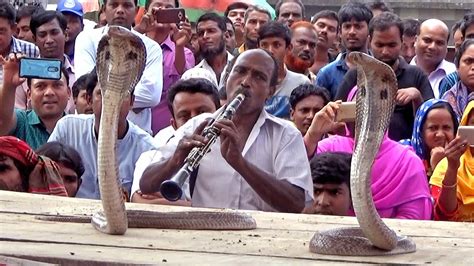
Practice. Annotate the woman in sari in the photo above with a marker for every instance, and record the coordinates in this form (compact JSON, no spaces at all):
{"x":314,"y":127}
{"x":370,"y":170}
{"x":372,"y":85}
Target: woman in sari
{"x":22,"y":170}
{"x":463,"y":91}
{"x":399,"y":183}
{"x":452,"y":182}
{"x":435,"y":126}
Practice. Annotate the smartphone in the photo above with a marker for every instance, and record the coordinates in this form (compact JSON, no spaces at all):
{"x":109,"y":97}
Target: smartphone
{"x":346,"y":112}
{"x":169,"y":15}
{"x":40,"y":68}
{"x":467,"y":133}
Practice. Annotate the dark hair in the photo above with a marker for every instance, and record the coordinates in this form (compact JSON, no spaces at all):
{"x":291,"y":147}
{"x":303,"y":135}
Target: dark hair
{"x":256,"y":9}
{"x":305,"y":90}
{"x":411,"y":27}
{"x":27,"y":11}
{"x":462,"y":49}
{"x":275,"y":29}
{"x":193,"y":85}
{"x":354,"y":10}
{"x":467,"y":21}
{"x":148,"y":2}
{"x":63,"y":74}
{"x":46,"y":16}
{"x":79,"y":85}
{"x":456,"y":26}
{"x":331,"y":168}
{"x":228,"y":21}
{"x":233,"y":6}
{"x":64,"y":154}
{"x":281,"y":2}
{"x":105,"y":2}
{"x":213,"y":17}
{"x":225,"y":76}
{"x":91,"y":82}
{"x":385,"y":21}
{"x":380,"y":5}
{"x":329,"y":14}
{"x":7,"y":11}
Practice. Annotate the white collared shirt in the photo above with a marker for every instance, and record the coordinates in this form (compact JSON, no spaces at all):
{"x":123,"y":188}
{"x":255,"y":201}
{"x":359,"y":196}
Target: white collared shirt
{"x":204,"y":64}
{"x":442,"y":70}
{"x":148,"y":90}
{"x":274,"y":146}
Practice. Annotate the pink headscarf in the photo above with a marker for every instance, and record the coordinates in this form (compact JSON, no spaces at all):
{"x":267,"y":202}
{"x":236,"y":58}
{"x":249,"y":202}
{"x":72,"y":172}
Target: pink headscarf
{"x":399,"y":182}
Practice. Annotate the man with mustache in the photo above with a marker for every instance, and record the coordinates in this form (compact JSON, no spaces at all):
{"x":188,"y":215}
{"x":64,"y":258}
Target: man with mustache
{"x":386,"y":32}
{"x":257,"y":163}
{"x":301,"y":57}
{"x":275,"y":38}
{"x":289,"y":11}
{"x":212,"y":32}
{"x":148,"y":90}
{"x":431,"y":47}
{"x":326,"y":24}
{"x":354,"y":18}
{"x":255,"y":18}
{"x":236,"y":13}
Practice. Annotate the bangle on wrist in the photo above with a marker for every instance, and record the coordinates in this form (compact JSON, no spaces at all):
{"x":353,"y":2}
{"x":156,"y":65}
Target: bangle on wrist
{"x":450,"y":186}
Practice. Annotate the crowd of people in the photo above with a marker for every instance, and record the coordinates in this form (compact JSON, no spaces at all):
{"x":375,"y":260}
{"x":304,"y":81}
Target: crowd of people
{"x":284,"y":149}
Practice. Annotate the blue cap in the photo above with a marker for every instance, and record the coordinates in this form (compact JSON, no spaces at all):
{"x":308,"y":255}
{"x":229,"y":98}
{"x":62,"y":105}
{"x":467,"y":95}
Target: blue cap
{"x":72,"y":6}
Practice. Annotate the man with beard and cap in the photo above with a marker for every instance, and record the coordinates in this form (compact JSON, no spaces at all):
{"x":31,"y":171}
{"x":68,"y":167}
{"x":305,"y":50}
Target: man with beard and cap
{"x":212,"y":31}
{"x":431,"y":47}
{"x":303,"y":41}
{"x":289,"y":11}
{"x":354,"y":18}
{"x":255,"y":17}
{"x":326,"y":24}
{"x":386,"y":32}
{"x":176,"y":57}
{"x":275,"y":38}
{"x":236,"y":13}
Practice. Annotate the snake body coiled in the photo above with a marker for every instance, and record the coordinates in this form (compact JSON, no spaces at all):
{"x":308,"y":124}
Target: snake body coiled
{"x":377,"y":87}
{"x":121,"y":60}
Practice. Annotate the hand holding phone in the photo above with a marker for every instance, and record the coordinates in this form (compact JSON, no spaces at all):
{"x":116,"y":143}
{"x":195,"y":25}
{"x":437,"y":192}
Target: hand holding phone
{"x":467,"y":133}
{"x":40,"y":68}
{"x":169,"y":15}
{"x":346,"y":112}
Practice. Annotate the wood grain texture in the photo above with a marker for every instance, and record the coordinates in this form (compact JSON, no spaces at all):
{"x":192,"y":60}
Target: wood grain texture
{"x":278,"y":239}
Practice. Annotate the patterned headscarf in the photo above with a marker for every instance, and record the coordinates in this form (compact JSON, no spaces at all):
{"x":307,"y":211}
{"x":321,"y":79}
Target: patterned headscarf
{"x":458,"y":97}
{"x":44,"y":177}
{"x":416,"y":140}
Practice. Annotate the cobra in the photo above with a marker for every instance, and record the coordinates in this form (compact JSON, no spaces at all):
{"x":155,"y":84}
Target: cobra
{"x":121,"y":59}
{"x":375,"y":103}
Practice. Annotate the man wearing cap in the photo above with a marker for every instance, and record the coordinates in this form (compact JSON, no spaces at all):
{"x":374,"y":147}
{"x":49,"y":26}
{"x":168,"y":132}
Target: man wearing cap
{"x":72,"y":10}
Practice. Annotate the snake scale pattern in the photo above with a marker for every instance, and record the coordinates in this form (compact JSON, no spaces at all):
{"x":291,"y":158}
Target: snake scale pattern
{"x":121,"y":59}
{"x":375,"y":104}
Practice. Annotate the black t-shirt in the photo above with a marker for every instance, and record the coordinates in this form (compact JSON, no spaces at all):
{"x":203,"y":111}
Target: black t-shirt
{"x":401,"y":124}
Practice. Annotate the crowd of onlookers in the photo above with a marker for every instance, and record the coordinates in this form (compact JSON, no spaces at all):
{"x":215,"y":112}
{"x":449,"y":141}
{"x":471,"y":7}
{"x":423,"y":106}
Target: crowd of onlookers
{"x":284,"y":150}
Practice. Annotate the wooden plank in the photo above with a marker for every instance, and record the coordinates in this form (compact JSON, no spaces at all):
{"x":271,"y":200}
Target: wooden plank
{"x":19,"y":262}
{"x":278,"y":236}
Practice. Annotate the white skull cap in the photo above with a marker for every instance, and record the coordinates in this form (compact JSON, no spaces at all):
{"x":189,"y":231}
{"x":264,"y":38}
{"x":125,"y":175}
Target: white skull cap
{"x":198,"y":72}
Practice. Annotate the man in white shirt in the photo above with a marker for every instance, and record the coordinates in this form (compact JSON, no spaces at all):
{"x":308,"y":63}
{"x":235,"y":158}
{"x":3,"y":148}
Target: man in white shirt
{"x":211,"y":31}
{"x":257,"y":163}
{"x":148,"y":90}
{"x":276,"y":39}
{"x":80,"y":132}
{"x":430,"y":48}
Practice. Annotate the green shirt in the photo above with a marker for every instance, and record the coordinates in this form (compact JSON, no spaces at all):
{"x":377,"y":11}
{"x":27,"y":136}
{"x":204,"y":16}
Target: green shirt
{"x":30,"y":129}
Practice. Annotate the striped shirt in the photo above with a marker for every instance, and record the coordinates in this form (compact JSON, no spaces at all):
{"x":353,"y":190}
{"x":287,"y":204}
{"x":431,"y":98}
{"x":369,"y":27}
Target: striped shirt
{"x":29,"y":50}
